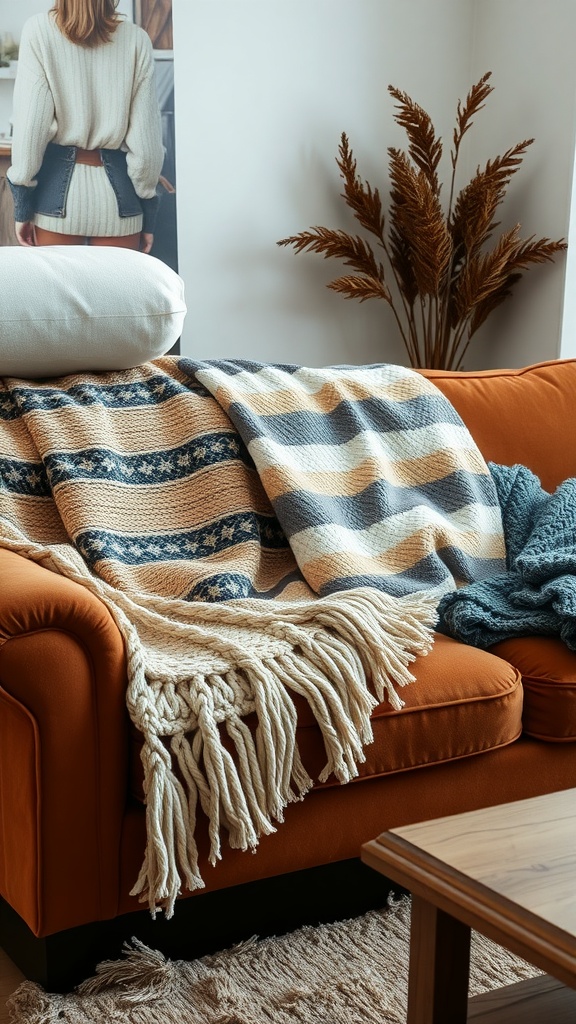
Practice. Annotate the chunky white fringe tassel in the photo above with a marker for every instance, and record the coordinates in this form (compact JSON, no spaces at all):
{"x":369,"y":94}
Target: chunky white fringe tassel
{"x":196,"y":668}
{"x":332,"y":650}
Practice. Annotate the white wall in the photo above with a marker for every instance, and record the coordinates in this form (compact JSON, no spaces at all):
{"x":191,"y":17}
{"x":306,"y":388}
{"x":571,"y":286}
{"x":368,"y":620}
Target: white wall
{"x":529,"y":47}
{"x":568,"y":331}
{"x":263,"y":90}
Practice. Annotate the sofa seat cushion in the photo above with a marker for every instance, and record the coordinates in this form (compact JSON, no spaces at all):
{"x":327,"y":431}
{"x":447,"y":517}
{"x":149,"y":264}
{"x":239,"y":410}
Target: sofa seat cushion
{"x":464,"y":701}
{"x":548,"y":670}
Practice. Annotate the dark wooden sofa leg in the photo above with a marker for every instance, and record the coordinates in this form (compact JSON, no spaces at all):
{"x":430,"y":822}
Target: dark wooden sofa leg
{"x":57,"y":962}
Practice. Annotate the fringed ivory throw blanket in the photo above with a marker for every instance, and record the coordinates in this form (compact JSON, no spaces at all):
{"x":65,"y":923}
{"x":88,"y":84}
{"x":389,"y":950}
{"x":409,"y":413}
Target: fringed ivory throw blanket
{"x":255,"y":531}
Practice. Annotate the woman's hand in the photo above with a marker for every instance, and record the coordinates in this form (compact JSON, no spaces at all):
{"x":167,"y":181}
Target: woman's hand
{"x":25,"y":232}
{"x":146,"y":241}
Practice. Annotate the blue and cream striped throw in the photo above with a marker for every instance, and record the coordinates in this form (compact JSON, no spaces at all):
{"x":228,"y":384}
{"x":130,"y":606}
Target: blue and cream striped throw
{"x":372,"y":474}
{"x":256,"y":531}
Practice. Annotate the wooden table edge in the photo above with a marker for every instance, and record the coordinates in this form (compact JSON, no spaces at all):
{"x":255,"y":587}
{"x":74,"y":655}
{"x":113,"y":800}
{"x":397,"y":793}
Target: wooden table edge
{"x":500,"y":919}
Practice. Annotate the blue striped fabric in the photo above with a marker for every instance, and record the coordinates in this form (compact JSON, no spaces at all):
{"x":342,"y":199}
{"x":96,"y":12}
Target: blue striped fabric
{"x":374,"y":477}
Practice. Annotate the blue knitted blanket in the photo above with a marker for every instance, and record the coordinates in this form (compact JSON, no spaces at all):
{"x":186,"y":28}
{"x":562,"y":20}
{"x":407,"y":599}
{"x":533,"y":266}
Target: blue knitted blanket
{"x":536,"y":595}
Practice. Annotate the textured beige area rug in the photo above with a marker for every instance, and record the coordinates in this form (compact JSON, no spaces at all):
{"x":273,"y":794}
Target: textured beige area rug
{"x":352,"y":972}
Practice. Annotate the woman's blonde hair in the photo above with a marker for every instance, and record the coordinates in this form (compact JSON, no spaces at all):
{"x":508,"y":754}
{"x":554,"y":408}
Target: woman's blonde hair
{"x":86,"y":22}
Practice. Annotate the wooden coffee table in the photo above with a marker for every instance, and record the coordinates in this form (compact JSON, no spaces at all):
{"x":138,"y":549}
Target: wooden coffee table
{"x":510,"y":873}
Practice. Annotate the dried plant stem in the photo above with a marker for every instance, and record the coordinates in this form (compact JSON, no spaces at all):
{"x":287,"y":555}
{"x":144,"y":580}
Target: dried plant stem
{"x":453,"y":349}
{"x":409,"y":338}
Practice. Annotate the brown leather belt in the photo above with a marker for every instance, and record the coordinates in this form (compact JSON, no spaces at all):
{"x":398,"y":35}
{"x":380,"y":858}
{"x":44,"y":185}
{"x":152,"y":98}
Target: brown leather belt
{"x":88,"y":156}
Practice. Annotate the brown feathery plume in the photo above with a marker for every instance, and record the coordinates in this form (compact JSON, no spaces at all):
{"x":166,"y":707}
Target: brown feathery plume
{"x":475,"y":100}
{"x":416,"y":216}
{"x":353,"y":249}
{"x":363,"y":201}
{"x":424,"y":148}
{"x":360,"y":286}
{"x":444,"y":281}
{"x":487,"y":279}
{"x":471,"y":223}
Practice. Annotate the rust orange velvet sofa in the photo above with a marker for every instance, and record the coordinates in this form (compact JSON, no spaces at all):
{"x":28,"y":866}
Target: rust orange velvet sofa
{"x":477,"y":727}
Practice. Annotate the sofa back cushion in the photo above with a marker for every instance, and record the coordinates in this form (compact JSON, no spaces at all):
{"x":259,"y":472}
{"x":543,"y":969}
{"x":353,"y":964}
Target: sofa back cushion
{"x":548,"y":669}
{"x":525,"y":415}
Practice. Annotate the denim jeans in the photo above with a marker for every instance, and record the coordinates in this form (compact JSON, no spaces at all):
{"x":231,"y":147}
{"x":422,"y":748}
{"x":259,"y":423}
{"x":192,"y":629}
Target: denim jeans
{"x":49,"y":195}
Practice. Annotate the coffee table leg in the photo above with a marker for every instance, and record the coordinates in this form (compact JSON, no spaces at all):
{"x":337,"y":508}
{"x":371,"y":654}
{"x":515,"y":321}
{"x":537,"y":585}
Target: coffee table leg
{"x":439,"y":966}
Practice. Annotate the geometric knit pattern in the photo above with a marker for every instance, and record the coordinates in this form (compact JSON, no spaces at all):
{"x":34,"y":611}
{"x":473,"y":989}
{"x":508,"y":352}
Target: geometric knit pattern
{"x":138,"y":486}
{"x":536,"y":594}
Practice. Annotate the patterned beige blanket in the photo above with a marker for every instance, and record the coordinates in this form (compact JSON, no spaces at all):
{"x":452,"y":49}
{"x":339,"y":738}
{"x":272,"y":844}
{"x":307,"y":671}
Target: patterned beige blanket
{"x":290,"y":535}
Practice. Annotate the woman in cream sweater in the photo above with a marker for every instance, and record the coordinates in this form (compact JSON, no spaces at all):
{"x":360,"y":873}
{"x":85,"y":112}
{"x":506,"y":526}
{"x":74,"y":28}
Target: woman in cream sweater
{"x":87,"y":146}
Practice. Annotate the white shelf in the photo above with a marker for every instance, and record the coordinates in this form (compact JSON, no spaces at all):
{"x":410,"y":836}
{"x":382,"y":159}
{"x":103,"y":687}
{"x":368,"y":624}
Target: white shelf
{"x":7,"y":72}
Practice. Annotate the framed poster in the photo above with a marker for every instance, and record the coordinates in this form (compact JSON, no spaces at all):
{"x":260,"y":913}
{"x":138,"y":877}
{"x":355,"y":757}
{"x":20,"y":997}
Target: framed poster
{"x":156,"y":17}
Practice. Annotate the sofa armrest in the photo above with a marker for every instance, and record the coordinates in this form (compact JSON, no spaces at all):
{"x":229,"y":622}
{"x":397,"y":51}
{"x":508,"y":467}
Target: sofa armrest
{"x":63,"y":748}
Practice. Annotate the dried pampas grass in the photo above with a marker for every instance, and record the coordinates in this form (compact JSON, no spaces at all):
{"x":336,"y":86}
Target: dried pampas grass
{"x":447,"y":277}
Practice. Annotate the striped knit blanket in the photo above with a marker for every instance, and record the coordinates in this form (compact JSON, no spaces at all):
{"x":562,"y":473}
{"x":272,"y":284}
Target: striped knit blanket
{"x":255,"y":531}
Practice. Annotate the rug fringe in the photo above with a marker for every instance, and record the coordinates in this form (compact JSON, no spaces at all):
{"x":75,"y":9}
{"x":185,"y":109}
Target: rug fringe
{"x":31,"y":1004}
{"x":142,"y":973}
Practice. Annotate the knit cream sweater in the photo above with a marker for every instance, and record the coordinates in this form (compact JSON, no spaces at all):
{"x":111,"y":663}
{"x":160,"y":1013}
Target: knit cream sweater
{"x":92,"y":97}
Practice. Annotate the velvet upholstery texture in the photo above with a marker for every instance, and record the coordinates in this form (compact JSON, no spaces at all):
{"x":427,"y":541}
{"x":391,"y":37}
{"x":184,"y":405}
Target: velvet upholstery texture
{"x":524,"y":415}
{"x":63,"y":748}
{"x":331,"y":824}
{"x":548,"y":670}
{"x":72,"y":836}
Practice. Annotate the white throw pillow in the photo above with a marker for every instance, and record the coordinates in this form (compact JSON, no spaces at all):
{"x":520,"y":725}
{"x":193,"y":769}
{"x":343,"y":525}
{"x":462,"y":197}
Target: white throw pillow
{"x":81,"y":308}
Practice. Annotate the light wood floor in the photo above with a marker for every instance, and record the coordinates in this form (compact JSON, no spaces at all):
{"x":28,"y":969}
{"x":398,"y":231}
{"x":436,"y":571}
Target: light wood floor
{"x":10,"y":978}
